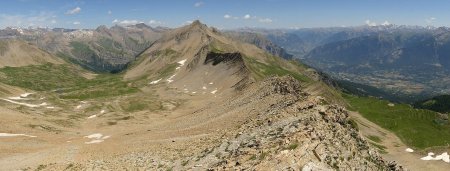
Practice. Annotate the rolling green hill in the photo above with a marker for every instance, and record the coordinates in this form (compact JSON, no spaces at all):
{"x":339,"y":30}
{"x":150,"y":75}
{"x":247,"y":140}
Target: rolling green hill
{"x":415,"y":127}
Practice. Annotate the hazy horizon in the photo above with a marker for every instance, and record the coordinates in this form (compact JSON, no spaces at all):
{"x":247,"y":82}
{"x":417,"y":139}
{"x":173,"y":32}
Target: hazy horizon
{"x":271,"y":14}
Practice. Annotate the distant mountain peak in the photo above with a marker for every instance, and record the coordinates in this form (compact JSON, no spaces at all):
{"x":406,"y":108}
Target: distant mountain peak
{"x":101,"y":28}
{"x":196,"y":22}
{"x":142,"y":25}
{"x":197,"y":25}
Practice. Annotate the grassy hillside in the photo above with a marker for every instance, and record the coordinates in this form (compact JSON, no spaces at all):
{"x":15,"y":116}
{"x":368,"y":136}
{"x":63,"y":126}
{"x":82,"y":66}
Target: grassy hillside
{"x":65,"y":80}
{"x":415,"y":127}
{"x":262,"y":70}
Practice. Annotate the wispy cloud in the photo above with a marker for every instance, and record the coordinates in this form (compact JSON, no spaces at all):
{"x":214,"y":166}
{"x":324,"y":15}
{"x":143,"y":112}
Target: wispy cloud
{"x":385,"y":23}
{"x":41,"y":19}
{"x":249,"y":18}
{"x":198,"y":4}
{"x":265,"y":20}
{"x":109,"y":12}
{"x":74,"y":11}
{"x":76,"y":23}
{"x":430,"y":20}
{"x":155,"y":22}
{"x":370,"y":23}
{"x":126,"y":22}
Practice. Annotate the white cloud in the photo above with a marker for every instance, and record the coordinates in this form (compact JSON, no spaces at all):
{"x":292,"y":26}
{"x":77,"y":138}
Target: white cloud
{"x":430,"y":20}
{"x":126,"y":22}
{"x":73,"y":11}
{"x":228,"y":16}
{"x":265,"y":20}
{"x":188,"y":22}
{"x":76,"y":23}
{"x":386,"y":23}
{"x":109,"y":12}
{"x":155,"y":22}
{"x":41,"y":19}
{"x":370,"y":23}
{"x":250,"y":18}
{"x":198,"y":4}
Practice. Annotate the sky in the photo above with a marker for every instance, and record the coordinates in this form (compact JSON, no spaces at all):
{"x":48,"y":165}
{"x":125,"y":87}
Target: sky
{"x":223,"y":14}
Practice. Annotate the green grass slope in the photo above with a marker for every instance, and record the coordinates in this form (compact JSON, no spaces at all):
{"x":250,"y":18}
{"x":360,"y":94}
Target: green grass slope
{"x":415,"y":127}
{"x":66,"y":81}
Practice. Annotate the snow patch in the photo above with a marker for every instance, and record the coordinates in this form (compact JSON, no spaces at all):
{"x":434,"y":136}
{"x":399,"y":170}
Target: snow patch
{"x":409,"y":150}
{"x":94,"y":141}
{"x":25,"y":95}
{"x":204,"y":88}
{"x":17,"y":98}
{"x":444,"y":157}
{"x":25,"y":104}
{"x":50,"y":107}
{"x":170,"y":79}
{"x":102,"y":111}
{"x":92,"y":116}
{"x":96,"y":138}
{"x":214,"y":92}
{"x":79,"y":106}
{"x":211,"y":83}
{"x":156,"y":81}
{"x":15,"y":135}
{"x":21,"y":97}
{"x":182,"y":62}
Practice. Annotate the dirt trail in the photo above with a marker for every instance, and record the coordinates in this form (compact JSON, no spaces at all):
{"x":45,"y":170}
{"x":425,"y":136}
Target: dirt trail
{"x":395,"y":148}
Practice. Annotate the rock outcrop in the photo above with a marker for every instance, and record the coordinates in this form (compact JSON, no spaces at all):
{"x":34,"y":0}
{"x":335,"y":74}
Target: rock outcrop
{"x":299,"y":133}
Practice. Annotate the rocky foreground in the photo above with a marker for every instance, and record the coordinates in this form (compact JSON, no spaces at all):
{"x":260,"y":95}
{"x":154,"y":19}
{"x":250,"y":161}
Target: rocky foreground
{"x":289,"y":130}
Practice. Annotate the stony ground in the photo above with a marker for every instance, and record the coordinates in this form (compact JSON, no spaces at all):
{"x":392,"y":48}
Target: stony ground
{"x":272,"y":125}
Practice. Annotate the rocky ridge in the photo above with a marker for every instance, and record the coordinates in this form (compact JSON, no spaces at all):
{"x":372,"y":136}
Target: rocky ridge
{"x":300,"y":132}
{"x":297,"y":131}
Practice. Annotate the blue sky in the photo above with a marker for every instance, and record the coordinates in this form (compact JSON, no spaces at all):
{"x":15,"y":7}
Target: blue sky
{"x":225,"y":14}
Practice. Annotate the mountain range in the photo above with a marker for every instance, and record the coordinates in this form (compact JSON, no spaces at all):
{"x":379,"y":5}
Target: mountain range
{"x":404,"y":61}
{"x":185,"y":98}
{"x":198,"y":98}
{"x":102,"y":49}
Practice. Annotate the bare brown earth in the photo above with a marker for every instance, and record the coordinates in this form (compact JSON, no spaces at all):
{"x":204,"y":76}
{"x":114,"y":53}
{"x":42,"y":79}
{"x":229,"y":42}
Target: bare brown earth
{"x":271,"y":125}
